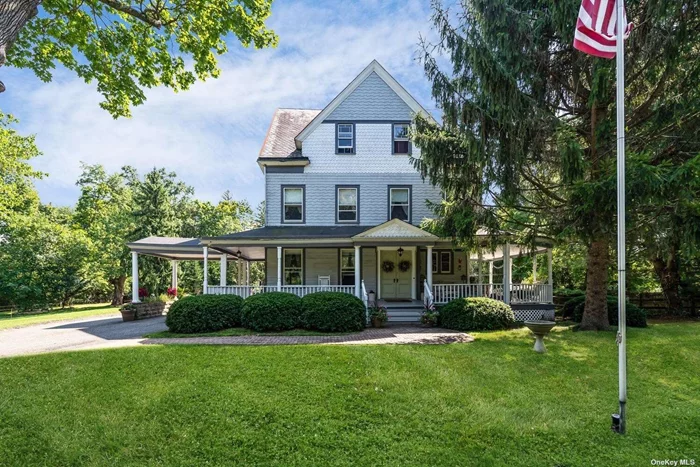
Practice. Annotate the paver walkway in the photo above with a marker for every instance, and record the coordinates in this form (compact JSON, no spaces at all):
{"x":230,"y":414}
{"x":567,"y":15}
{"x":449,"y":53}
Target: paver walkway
{"x":388,"y":335}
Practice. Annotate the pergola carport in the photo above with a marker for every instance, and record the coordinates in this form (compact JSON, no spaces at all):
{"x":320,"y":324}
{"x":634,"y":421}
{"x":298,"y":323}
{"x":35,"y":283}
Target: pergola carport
{"x":178,"y":249}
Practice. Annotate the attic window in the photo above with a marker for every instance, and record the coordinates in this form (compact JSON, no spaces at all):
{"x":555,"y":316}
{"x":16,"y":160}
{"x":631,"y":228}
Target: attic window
{"x":345,"y":138}
{"x":400,"y":139}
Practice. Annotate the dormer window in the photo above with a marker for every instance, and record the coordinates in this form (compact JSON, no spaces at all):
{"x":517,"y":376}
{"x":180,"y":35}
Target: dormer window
{"x":345,"y":138}
{"x":401,"y":145}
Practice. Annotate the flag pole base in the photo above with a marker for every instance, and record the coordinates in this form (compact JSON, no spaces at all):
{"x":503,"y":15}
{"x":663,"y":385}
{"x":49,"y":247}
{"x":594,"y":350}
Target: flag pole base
{"x":619,"y":420}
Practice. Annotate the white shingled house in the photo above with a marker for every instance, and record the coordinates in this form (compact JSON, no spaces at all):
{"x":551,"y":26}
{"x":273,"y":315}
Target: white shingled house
{"x":344,"y":206}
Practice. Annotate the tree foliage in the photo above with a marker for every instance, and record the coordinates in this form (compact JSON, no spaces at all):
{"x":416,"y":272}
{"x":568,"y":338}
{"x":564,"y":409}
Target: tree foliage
{"x":127,"y":46}
{"x":527,"y":141}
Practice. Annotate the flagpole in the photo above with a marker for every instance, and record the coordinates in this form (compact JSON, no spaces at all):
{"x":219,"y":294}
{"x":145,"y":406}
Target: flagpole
{"x":621,"y":260}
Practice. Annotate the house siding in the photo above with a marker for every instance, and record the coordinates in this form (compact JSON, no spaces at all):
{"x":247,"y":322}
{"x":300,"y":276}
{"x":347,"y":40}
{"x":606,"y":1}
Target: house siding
{"x":321,"y":262}
{"x":373,"y":151}
{"x":373,"y":99}
{"x":321,"y":194}
{"x":369,"y":268}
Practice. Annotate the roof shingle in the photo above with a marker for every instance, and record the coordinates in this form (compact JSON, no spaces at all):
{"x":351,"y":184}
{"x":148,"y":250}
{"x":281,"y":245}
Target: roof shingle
{"x":286,"y":124}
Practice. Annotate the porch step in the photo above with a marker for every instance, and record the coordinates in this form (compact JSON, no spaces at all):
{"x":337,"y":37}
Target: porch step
{"x":403,"y":316}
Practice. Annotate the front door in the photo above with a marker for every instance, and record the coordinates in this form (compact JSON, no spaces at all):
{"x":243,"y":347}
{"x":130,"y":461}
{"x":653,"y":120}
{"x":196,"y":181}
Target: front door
{"x":395,"y":283}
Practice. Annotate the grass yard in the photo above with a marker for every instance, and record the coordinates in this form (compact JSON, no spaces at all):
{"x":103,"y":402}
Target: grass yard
{"x":8,"y":320}
{"x":490,"y":402}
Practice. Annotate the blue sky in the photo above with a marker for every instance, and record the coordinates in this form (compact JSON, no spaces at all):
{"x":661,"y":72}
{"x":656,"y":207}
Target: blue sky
{"x":211,"y":134}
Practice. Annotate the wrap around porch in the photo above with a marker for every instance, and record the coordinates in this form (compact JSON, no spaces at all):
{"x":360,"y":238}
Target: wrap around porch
{"x":394,"y":264}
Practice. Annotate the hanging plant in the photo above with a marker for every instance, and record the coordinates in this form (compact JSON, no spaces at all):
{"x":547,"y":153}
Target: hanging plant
{"x":404,"y":265}
{"x":387,"y":266}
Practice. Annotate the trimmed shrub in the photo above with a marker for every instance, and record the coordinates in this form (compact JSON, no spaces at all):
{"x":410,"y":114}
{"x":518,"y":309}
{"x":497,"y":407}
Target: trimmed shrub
{"x":204,"y":313}
{"x":274,"y":311}
{"x":636,"y":317}
{"x":476,"y":314}
{"x":332,"y":312}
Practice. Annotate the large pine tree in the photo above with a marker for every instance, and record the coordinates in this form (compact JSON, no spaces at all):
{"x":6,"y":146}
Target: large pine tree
{"x":528,"y":133}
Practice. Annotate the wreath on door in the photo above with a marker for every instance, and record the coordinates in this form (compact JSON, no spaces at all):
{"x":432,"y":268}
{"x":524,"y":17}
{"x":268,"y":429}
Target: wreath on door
{"x":387,"y":266}
{"x":404,"y":265}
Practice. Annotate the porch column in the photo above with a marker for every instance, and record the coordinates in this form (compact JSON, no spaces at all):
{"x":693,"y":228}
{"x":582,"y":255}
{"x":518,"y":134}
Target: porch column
{"x":429,"y":267}
{"x":173,"y":278}
{"x":506,"y":273}
{"x":534,"y":268}
{"x":468,"y":271}
{"x":279,"y":268}
{"x":247,"y":273}
{"x":549,"y":274}
{"x":222,"y":270}
{"x":205,"y":284}
{"x":239,"y":268}
{"x":481,"y":273}
{"x":358,"y":291}
{"x":134,"y":277}
{"x":490,"y":277}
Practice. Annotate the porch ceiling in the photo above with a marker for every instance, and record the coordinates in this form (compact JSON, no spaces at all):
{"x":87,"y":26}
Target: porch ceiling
{"x":189,"y":249}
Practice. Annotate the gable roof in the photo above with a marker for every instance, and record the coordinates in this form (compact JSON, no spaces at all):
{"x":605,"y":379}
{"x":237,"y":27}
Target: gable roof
{"x":395,"y":229}
{"x":285,"y":125}
{"x":373,"y":67}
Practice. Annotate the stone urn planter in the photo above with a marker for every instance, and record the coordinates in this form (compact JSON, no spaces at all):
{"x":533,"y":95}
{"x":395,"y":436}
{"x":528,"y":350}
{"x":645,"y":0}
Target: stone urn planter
{"x":540,"y":329}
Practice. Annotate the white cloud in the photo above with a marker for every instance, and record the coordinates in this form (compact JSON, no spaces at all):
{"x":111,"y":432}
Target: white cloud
{"x":211,"y":134}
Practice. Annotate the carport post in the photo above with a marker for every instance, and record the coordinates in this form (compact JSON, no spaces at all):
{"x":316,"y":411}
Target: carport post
{"x":279,"y":268}
{"x":134,"y":277}
{"x":222,"y":270}
{"x":206,"y":270}
{"x":173,"y":278}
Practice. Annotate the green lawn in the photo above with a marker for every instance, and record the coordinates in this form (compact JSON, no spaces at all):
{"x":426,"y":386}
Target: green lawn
{"x":8,"y":320}
{"x":490,"y":402}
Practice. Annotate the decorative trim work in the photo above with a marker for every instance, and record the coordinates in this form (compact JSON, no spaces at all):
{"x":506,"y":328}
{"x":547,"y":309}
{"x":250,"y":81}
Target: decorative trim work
{"x":285,"y":169}
{"x":533,"y":314}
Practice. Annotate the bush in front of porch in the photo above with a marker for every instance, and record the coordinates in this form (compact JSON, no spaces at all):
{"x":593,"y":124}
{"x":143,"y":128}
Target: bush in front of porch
{"x":332,"y":312}
{"x":476,"y":314}
{"x":204,"y":313}
{"x":273,"y":311}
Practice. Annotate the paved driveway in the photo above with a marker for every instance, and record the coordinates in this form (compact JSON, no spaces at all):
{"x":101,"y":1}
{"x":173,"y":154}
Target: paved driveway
{"x":90,"y":333}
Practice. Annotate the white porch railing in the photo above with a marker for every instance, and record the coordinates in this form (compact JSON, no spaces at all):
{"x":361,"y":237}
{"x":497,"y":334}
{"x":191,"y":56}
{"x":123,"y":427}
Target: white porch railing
{"x":428,"y":298}
{"x":519,"y":293}
{"x":246,"y":291}
{"x":302,"y":290}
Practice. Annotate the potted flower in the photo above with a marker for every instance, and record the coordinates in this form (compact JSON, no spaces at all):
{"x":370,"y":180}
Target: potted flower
{"x":378,"y":316}
{"x":429,"y":317}
{"x":129,"y":312}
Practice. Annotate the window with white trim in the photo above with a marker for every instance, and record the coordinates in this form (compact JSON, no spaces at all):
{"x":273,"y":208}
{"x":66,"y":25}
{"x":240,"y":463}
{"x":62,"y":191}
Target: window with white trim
{"x":442,"y":262}
{"x":293,"y":204}
{"x":293,"y":267}
{"x":400,"y":203}
{"x":347,"y":204}
{"x":347,"y":267}
{"x":401,"y":144}
{"x":345,"y":138}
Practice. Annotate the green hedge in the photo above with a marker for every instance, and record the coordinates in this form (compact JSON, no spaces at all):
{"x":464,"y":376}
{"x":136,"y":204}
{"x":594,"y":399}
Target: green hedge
{"x":204,"y":313}
{"x":636,"y":317}
{"x":274,"y":311}
{"x":476,"y":314}
{"x":568,"y":310}
{"x":332,"y":312}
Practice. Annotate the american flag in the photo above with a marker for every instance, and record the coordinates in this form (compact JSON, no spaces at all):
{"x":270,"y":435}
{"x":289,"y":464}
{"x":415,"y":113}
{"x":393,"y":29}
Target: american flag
{"x":596,"y":28}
